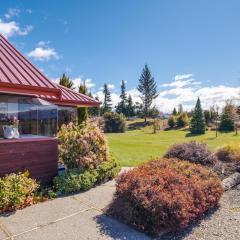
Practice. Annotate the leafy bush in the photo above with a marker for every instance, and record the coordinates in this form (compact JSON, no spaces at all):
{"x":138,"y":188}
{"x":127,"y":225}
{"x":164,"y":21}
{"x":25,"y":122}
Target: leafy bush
{"x":74,"y":180}
{"x":16,"y":191}
{"x":191,"y":151}
{"x":165,"y":194}
{"x":171,"y":122}
{"x":108,"y":170}
{"x":229,"y":153}
{"x":182,"y":120}
{"x":114,"y":122}
{"x":83,"y":146}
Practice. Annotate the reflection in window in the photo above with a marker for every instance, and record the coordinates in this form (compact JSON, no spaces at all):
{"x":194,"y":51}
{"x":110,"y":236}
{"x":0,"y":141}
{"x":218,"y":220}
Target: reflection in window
{"x":66,"y":115}
{"x":36,"y":117}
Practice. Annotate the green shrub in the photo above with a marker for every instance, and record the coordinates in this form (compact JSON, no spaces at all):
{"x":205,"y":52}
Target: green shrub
{"x":74,"y":180}
{"x":182,"y":120}
{"x":108,"y":170}
{"x":83,"y":146}
{"x":165,"y":194}
{"x":171,"y":122}
{"x":114,"y":122}
{"x":16,"y":191}
{"x":191,"y":151}
{"x":229,"y":153}
{"x":82,"y":114}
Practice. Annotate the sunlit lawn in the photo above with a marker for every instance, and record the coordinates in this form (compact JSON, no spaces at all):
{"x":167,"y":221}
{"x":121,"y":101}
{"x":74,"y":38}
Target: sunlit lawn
{"x":136,"y":146}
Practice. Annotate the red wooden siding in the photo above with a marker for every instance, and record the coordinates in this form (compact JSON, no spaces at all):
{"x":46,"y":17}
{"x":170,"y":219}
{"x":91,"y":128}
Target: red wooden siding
{"x":37,"y":155}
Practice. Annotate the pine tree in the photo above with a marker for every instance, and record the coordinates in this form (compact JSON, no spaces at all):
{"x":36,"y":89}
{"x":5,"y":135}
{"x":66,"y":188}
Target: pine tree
{"x":228,"y":117}
{"x":198,"y":125}
{"x":148,"y":89}
{"x":66,"y":82}
{"x":82,"y":111}
{"x":180,"y":108}
{"x":121,"y":107}
{"x":130,"y":109}
{"x":107,"y":106}
{"x":94,"y":111}
{"x":174,"y":113}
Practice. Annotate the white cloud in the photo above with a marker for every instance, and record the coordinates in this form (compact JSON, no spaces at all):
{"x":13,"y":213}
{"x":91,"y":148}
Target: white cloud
{"x":180,"y":81}
{"x":185,"y":90}
{"x":8,"y":29}
{"x":111,"y":86}
{"x":43,"y":53}
{"x":183,"y":76}
{"x":114,"y":97}
{"x":80,"y":80}
{"x":185,"y":93}
{"x":12,"y":12}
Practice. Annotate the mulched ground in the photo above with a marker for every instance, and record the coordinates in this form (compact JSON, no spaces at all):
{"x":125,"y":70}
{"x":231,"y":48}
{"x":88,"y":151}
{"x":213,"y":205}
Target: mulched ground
{"x":222,"y":224}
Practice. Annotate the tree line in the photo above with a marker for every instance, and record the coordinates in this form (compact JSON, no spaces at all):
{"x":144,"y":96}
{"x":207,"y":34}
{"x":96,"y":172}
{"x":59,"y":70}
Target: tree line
{"x":147,"y":88}
{"x":197,"y":119}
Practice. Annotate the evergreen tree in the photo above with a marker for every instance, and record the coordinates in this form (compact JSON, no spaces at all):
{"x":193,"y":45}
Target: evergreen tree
{"x":82,"y":111}
{"x":174,"y":113}
{"x":148,"y":89}
{"x":198,"y":125}
{"x":121,"y":107}
{"x":182,"y":120}
{"x":130,"y":109}
{"x":171,"y":122}
{"x":94,"y":111}
{"x":180,"y":108}
{"x":227,"y":118}
{"x":66,"y":82}
{"x":107,"y":106}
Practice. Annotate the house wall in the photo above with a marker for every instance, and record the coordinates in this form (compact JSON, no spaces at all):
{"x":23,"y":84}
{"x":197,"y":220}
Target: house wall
{"x":37,"y":155}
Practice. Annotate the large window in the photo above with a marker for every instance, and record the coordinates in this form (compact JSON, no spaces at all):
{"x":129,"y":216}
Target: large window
{"x":36,"y":117}
{"x":66,"y":115}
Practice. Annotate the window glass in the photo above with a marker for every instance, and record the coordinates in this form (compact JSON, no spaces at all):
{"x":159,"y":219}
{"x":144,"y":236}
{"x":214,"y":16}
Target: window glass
{"x":35,"y":117}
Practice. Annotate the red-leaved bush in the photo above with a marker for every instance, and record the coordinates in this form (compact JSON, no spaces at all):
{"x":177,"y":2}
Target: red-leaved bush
{"x":164,"y":195}
{"x":191,"y":151}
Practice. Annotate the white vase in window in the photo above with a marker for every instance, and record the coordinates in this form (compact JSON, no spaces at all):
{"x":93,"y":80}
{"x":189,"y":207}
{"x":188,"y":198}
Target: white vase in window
{"x":15,"y":132}
{"x":8,"y":132}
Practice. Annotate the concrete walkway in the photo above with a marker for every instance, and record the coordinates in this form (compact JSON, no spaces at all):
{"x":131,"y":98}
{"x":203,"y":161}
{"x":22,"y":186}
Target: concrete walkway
{"x":76,"y":217}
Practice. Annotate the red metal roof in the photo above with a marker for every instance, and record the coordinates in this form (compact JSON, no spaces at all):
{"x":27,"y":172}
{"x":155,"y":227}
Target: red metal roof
{"x":71,"y":98}
{"x":18,"y":75}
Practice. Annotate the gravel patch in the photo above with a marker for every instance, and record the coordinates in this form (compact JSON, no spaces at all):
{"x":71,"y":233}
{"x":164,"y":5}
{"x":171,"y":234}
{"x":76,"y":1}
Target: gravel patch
{"x":221,"y":224}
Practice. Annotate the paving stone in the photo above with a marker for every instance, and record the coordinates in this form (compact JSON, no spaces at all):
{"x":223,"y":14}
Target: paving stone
{"x":3,"y":236}
{"x":87,"y":225}
{"x":111,"y":183}
{"x":99,"y":197}
{"x":40,"y":214}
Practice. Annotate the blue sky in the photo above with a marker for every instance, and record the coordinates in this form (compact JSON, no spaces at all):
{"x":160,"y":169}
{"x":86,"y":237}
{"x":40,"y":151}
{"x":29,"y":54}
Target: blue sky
{"x":192,"y":47}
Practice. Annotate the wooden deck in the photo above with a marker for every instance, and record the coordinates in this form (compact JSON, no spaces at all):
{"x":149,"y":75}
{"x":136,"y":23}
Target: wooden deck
{"x":37,"y":155}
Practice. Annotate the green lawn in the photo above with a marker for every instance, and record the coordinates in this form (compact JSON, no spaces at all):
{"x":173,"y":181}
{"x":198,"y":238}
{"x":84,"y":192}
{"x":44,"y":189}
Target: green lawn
{"x":136,"y":146}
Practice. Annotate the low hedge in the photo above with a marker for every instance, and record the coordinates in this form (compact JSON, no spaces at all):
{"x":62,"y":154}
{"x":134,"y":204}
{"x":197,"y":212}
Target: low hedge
{"x":191,"y":151}
{"x":16,"y":191}
{"x":75,"y":180}
{"x":164,"y":194}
